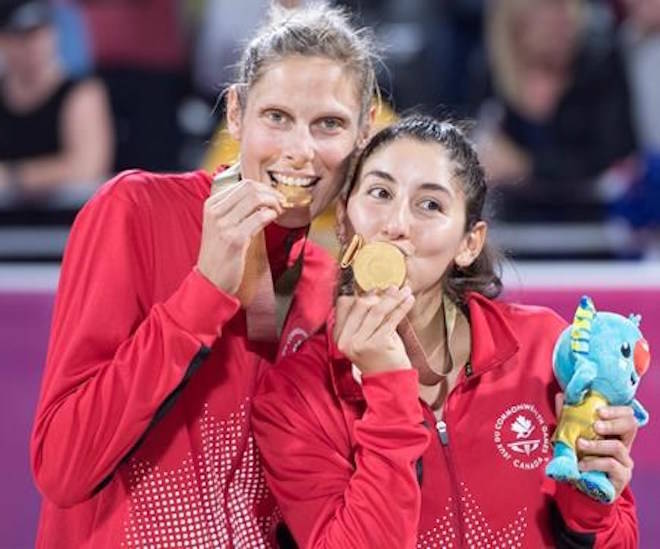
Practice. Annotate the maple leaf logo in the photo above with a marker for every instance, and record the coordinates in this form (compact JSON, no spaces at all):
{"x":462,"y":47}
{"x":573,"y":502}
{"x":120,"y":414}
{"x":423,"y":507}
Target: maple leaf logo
{"x":522,"y":427}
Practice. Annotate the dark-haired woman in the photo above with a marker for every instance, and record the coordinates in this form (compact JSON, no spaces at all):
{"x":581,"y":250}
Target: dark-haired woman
{"x":439,"y":437}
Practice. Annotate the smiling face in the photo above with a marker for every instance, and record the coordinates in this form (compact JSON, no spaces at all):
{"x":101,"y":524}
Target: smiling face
{"x":299,"y":127}
{"x":406,"y":194}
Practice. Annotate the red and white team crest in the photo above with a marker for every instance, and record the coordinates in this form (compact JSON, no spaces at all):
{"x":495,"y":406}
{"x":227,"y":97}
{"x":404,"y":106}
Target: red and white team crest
{"x":521,"y":436}
{"x":294,"y":339}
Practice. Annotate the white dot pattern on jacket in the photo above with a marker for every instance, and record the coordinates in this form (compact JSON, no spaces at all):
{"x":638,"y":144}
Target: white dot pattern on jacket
{"x":209,"y":503}
{"x":477,"y":531}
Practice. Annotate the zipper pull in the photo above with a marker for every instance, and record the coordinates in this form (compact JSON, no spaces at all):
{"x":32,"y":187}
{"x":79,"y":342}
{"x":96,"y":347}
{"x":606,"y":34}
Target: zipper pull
{"x":441,"y":427}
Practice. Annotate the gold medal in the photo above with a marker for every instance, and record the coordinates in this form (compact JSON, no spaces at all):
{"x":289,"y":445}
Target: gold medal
{"x":376,"y":265}
{"x":296,"y":197}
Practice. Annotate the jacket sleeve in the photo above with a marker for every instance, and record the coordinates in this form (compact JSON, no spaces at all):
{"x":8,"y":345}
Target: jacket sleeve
{"x":584,"y":522}
{"x":115,"y":360}
{"x":334,"y":494}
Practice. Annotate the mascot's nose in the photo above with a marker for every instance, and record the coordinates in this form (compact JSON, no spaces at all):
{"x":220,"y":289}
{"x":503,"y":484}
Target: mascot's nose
{"x":642,"y":356}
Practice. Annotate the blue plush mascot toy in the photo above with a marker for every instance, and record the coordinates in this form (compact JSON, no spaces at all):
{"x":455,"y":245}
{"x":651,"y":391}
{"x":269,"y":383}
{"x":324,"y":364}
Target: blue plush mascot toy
{"x":598,"y":361}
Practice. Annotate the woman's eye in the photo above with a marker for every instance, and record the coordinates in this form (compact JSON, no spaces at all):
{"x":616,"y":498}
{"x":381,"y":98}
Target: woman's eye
{"x":431,"y":205}
{"x":331,"y":123}
{"x":276,"y":117}
{"x":379,"y":192}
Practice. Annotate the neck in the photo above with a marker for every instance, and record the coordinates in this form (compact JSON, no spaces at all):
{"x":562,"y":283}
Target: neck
{"x":427,"y":316}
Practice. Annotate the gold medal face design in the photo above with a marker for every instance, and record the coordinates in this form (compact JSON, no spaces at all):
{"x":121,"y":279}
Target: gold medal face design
{"x":376,"y":265}
{"x":296,"y":197}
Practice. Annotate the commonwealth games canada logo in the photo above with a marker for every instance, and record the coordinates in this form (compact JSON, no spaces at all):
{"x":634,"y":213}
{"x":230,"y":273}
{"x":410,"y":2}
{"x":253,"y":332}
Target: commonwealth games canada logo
{"x":521,"y":436}
{"x":295,"y":339}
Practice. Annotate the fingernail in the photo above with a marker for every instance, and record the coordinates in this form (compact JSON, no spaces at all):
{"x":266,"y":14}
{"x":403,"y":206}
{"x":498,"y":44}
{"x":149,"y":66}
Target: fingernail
{"x":599,"y":426}
{"x":584,"y":443}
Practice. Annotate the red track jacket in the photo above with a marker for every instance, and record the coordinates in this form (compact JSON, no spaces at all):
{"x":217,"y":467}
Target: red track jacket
{"x":141,"y":437}
{"x":369,"y":467}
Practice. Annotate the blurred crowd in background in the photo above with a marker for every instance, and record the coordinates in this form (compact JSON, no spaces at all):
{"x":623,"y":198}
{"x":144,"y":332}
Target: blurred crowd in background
{"x":563,"y":95}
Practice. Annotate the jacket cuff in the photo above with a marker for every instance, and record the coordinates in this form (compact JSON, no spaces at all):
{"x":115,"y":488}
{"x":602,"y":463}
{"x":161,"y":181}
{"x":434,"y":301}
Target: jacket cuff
{"x":580,"y":512}
{"x":200,"y":308}
{"x":392,"y":397}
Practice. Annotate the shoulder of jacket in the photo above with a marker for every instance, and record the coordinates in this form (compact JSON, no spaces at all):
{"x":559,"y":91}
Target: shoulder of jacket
{"x":518,"y":312}
{"x":139,"y":187}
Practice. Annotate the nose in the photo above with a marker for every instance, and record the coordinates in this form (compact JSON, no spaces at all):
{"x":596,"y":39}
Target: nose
{"x":642,"y":356}
{"x":299,"y":146}
{"x":397,"y":223}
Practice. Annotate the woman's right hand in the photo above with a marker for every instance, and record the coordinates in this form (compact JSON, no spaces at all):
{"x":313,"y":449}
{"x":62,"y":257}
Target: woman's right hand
{"x":232,"y":216}
{"x":365,"y":329}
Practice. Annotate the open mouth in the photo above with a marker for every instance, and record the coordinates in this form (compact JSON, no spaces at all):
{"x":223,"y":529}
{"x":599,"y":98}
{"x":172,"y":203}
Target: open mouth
{"x":296,"y":189}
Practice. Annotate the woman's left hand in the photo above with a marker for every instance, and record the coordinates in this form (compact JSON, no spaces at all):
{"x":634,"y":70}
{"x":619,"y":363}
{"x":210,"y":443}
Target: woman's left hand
{"x":611,"y":454}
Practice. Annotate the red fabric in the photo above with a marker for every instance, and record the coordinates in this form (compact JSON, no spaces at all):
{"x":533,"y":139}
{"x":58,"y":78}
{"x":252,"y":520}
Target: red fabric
{"x":131,"y":316}
{"x":343,"y":460}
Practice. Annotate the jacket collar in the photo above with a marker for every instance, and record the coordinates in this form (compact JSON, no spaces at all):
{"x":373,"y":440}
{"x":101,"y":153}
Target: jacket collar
{"x":493,"y":343}
{"x":283,"y":246}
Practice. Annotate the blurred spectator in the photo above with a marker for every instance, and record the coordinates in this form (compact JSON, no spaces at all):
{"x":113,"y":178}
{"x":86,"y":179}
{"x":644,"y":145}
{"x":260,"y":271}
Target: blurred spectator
{"x":640,"y":36}
{"x":54,"y":130}
{"x":641,"y":39}
{"x":426,"y":47}
{"x":559,"y":113}
{"x":222,"y":31}
{"x":140,"y":50}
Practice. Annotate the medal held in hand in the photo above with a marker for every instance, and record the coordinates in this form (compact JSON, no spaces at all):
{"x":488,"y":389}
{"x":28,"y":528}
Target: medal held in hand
{"x":295,"y":196}
{"x":375,"y":265}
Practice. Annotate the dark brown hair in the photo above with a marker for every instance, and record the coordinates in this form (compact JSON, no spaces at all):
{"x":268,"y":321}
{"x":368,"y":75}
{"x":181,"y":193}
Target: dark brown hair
{"x":481,"y":275}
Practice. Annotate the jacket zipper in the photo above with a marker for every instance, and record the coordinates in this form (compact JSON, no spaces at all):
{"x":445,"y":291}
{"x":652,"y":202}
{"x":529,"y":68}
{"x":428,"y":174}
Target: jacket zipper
{"x":443,"y":435}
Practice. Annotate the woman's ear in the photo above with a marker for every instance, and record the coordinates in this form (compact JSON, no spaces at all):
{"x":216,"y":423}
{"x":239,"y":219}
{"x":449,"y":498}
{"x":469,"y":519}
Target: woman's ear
{"x":472,"y":244}
{"x":340,"y":221}
{"x":234,"y":113}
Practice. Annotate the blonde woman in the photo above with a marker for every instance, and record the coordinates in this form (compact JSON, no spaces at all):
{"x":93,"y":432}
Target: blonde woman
{"x":164,"y":321}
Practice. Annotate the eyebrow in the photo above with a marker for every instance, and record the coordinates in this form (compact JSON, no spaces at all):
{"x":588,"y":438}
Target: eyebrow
{"x":435,"y":187}
{"x":424,"y":186}
{"x":381,"y":174}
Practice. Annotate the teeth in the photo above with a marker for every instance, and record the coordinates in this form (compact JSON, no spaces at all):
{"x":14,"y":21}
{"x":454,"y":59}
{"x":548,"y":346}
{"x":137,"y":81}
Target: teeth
{"x":293,"y":181}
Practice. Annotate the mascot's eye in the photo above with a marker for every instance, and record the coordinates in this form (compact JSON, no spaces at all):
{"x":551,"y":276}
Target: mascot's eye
{"x":625,"y":350}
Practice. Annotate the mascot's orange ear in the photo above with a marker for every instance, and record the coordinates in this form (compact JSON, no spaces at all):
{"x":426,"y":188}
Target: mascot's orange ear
{"x":642,"y":356}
